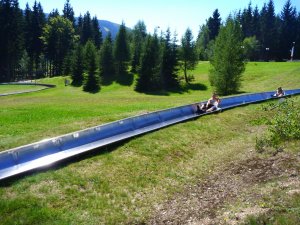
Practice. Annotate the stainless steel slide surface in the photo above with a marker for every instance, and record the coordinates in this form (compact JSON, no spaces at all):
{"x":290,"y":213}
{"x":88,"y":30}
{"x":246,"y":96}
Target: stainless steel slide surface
{"x":25,"y":158}
{"x":46,"y":86}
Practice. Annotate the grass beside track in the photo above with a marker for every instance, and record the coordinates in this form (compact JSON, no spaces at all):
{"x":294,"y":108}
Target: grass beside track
{"x":124,"y":182}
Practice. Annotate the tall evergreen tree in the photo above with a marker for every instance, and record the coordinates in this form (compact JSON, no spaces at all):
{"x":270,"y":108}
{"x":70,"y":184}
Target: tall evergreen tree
{"x":54,"y":13}
{"x":58,"y":37}
{"x":68,"y":12}
{"x":77,"y":66}
{"x":288,"y":29}
{"x":28,"y":39}
{"x":269,"y":34}
{"x":214,"y":24}
{"x":228,"y":62}
{"x":11,"y":38}
{"x":246,"y":22}
{"x":149,"y":71}
{"x":38,"y":21}
{"x":87,"y":33}
{"x":256,"y":23}
{"x":121,"y":50}
{"x":188,"y":54}
{"x":203,"y":42}
{"x":169,"y":65}
{"x":97,"y":34}
{"x":139,"y":36}
{"x":79,"y":25}
{"x":91,"y":83}
{"x":106,"y":59}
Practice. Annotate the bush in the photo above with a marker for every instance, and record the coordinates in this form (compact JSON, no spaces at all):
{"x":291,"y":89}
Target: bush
{"x":284,"y":126}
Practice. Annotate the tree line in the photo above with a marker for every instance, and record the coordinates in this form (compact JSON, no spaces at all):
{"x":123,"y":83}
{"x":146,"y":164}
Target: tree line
{"x":266,"y":36}
{"x":35,"y":45}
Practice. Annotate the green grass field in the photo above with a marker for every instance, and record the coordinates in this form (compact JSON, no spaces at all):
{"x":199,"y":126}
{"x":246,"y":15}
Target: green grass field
{"x":122,"y":183}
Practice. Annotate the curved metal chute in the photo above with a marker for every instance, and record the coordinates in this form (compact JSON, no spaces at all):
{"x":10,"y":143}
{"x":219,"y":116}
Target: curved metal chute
{"x":46,"y":152}
{"x":46,"y":86}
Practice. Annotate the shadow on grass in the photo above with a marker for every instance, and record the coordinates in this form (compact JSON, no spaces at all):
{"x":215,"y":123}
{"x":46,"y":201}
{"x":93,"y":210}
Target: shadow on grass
{"x":185,"y":88}
{"x":125,"y":78}
{"x":108,"y":79}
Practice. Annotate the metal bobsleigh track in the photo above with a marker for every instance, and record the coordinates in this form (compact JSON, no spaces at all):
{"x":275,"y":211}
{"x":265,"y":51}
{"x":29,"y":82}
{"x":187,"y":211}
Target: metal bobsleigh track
{"x":46,"y":86}
{"x":25,"y":158}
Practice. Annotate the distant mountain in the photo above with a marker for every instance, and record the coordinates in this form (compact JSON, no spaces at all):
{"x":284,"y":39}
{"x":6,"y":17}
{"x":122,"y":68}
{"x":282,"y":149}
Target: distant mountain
{"x":107,"y":26}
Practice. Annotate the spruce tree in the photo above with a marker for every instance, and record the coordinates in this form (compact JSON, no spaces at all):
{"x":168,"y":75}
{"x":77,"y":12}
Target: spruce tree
{"x":228,"y":62}
{"x":170,"y":64}
{"x":97,"y":34}
{"x":149,"y":79}
{"x":121,"y":50}
{"x":288,"y":29}
{"x":68,"y":12}
{"x":11,"y":39}
{"x":77,"y":66}
{"x":38,"y":21}
{"x":188,"y":54}
{"x":58,"y":38}
{"x":246,"y":22}
{"x":54,"y":13}
{"x":91,"y":82}
{"x":269,"y":34}
{"x":203,"y":43}
{"x":106,"y":59}
{"x":214,"y":24}
{"x":139,"y":35}
{"x":87,"y":33}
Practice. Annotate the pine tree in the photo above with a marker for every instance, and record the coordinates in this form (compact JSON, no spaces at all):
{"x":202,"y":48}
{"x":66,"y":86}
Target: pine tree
{"x":256,"y":23}
{"x":188,"y":54}
{"x":246,"y":22}
{"x":11,"y":39}
{"x":79,"y":25}
{"x":91,"y":82}
{"x":203,"y":42}
{"x":38,"y":21}
{"x":77,"y":66}
{"x":106,"y":59}
{"x":149,"y":72}
{"x":214,"y":24}
{"x":58,"y":38}
{"x":288,"y":29}
{"x":121,"y":50}
{"x":28,"y":39}
{"x":87,"y":33}
{"x":169,"y":66}
{"x":139,"y":35}
{"x":68,"y":12}
{"x":97,"y":34}
{"x":228,"y":63}
{"x":54,"y":13}
{"x":269,"y":34}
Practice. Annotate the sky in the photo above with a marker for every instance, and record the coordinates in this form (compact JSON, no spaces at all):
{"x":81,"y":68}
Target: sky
{"x":178,"y":15}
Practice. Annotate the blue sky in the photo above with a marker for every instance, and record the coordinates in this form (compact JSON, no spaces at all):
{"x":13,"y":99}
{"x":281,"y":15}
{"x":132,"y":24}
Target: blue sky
{"x":176,"y":14}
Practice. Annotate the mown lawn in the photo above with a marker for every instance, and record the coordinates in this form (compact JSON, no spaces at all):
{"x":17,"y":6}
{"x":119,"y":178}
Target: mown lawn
{"x":124,"y":182}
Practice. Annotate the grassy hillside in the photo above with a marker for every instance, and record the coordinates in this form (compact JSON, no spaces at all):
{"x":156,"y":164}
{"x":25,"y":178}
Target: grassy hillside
{"x":126,"y":182}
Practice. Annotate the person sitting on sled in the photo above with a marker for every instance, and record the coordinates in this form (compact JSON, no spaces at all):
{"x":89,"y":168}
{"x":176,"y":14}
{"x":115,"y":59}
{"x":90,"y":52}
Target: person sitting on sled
{"x":212,"y":104}
{"x":279,"y":92}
